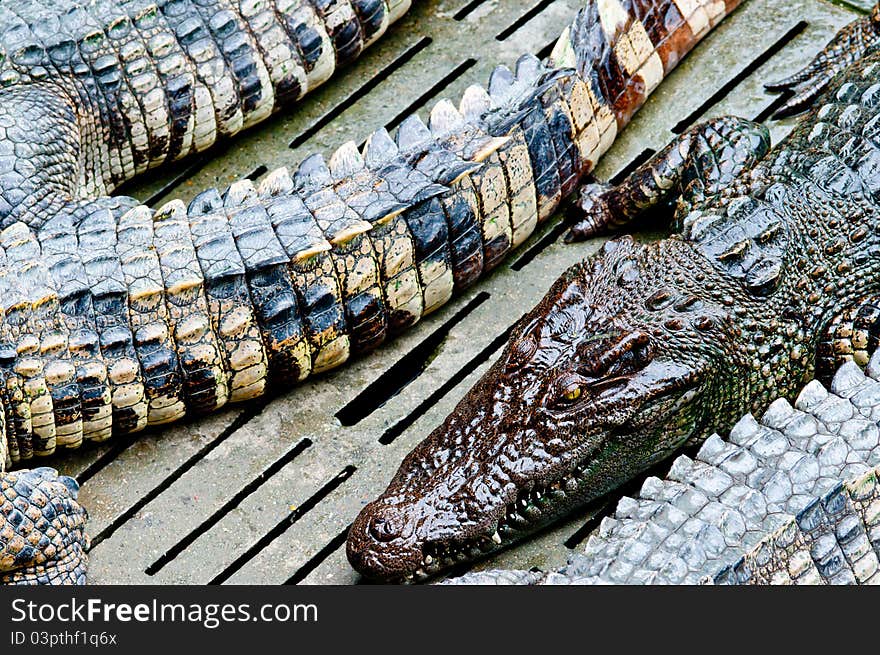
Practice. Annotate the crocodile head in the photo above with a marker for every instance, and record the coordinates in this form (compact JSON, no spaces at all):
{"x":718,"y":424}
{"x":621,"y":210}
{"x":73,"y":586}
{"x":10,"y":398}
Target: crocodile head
{"x":616,"y":368}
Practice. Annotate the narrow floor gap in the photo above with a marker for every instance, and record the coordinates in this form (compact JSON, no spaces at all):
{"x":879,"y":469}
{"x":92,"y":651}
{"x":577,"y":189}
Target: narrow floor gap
{"x":228,"y":506}
{"x":467,"y":9}
{"x":119,"y":446}
{"x":257,"y":172}
{"x":540,"y":246}
{"x":637,"y":161}
{"x":284,"y":525}
{"x":192,"y":166}
{"x":522,"y":20}
{"x":777,"y":103}
{"x":756,"y":63}
{"x":246,"y":415}
{"x":480,"y":358}
{"x":598,"y":512}
{"x":544,"y":52}
{"x":319,"y":558}
{"x":436,"y":88}
{"x":405,"y":370}
{"x":362,"y":91}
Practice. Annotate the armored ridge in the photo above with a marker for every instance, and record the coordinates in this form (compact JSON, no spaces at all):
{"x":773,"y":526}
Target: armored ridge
{"x":797,"y":491}
{"x":119,"y":317}
{"x":768,"y":281}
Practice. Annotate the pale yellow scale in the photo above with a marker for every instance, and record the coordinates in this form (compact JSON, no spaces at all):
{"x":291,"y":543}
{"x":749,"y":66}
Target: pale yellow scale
{"x":277,"y":50}
{"x":329,"y":347}
{"x":233,"y":321}
{"x":523,"y":201}
{"x":197,"y":347}
{"x":491,"y":187}
{"x":326,"y":64}
{"x":595,"y":121}
{"x":150,"y":321}
{"x":28,"y":318}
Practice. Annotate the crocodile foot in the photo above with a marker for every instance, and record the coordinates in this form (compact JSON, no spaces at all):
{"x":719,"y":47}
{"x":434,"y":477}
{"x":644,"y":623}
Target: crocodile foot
{"x":591,"y":212}
{"x":847,"y":47}
{"x":42,"y":536}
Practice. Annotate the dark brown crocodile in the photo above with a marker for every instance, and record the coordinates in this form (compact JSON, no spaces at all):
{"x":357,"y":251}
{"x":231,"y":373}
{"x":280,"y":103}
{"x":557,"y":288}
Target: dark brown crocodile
{"x":770,"y":278}
{"x":118,"y":316}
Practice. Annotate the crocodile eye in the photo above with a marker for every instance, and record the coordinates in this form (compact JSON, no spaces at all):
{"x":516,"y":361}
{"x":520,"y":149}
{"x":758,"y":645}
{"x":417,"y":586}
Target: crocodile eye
{"x":568,"y":390}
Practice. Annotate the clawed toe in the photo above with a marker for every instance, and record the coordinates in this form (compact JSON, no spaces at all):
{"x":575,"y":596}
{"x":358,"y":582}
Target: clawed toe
{"x":851,"y":43}
{"x":590,"y":214}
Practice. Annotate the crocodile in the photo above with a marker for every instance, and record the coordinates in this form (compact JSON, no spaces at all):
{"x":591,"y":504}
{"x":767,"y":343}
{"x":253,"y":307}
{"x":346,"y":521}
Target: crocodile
{"x":791,"y":499}
{"x":767,"y":280}
{"x":119,"y":317}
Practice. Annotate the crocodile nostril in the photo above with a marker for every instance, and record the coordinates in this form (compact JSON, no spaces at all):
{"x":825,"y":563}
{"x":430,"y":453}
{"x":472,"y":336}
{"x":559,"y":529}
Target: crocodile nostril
{"x":385,"y":529}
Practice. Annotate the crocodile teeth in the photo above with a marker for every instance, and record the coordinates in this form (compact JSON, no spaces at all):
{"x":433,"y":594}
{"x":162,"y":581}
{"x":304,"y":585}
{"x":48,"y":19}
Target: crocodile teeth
{"x":496,"y":538}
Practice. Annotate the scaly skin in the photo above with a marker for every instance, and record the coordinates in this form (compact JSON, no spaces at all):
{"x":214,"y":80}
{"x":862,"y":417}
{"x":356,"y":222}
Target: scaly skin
{"x":645,"y":348}
{"x":91,"y":94}
{"x":118,"y":317}
{"x":797,"y":492}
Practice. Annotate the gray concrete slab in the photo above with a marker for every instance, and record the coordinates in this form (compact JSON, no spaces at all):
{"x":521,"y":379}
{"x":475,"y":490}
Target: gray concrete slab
{"x":263,"y":493}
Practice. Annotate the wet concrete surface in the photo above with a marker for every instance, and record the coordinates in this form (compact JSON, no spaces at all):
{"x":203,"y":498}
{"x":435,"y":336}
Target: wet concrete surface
{"x":263,"y":493}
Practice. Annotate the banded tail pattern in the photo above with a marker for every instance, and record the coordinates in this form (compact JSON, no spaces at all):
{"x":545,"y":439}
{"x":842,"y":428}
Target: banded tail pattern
{"x":117,"y":316}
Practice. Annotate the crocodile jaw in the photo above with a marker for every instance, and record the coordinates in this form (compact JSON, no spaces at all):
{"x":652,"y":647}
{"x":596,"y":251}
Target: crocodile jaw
{"x":468,"y":508}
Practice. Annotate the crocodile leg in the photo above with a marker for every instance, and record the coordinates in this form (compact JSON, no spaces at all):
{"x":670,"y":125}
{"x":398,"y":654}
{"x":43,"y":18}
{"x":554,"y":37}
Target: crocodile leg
{"x":700,"y":164}
{"x":848,"y":46}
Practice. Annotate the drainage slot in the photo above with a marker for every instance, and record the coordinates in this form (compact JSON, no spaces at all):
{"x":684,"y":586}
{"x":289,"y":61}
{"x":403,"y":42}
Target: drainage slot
{"x":256,"y":407}
{"x":257,"y":172}
{"x":366,"y":88}
{"x":231,"y":504}
{"x":522,"y":20}
{"x":405,"y":370}
{"x":543,"y":243}
{"x":320,"y":557}
{"x":480,"y":358}
{"x":468,"y":9}
{"x":447,"y":79}
{"x":725,"y":90}
{"x":284,"y":524}
{"x":780,"y":100}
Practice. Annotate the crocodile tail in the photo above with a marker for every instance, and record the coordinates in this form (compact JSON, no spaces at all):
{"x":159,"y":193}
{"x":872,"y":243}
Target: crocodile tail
{"x":134,"y":85}
{"x":119,"y":317}
{"x":624,"y":48}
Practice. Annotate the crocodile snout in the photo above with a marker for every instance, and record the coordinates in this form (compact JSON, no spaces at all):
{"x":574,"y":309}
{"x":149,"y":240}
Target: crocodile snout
{"x":380,"y":543}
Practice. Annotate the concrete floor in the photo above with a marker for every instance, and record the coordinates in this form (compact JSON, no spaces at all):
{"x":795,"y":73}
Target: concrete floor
{"x":263,"y":493}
